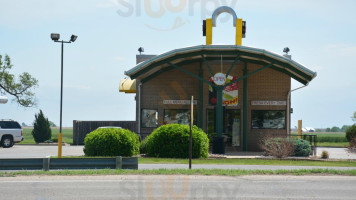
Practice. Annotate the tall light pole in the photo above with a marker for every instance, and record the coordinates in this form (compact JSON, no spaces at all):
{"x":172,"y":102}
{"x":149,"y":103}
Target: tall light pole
{"x":55,"y":37}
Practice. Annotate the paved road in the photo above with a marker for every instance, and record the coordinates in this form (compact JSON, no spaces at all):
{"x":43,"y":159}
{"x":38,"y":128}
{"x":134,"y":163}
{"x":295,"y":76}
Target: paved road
{"x":178,"y":187}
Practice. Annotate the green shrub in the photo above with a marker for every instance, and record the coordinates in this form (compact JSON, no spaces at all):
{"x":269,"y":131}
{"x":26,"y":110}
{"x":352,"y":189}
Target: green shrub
{"x":278,"y":147}
{"x":111,"y":142}
{"x":324,"y":154}
{"x":172,"y":141}
{"x":143,"y":146}
{"x":301,"y":148}
{"x":41,"y":128}
{"x":351,"y":133}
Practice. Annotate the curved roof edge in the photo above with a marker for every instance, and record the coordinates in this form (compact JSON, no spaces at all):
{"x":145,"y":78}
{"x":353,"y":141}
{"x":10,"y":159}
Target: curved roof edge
{"x":294,"y":69}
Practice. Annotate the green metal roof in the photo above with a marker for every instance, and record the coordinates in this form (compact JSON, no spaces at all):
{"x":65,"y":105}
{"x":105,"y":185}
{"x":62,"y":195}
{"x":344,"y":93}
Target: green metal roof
{"x":213,"y":52}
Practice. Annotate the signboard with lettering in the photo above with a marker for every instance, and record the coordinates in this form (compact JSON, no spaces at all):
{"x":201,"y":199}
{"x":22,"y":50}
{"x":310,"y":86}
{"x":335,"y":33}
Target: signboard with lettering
{"x":230,"y":93}
{"x":268,"y":103}
{"x":179,"y":102}
{"x":219,"y":79}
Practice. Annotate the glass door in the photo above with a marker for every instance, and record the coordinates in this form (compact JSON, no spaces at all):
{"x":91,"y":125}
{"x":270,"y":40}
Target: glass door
{"x":232,"y":126}
{"x":231,"y":132}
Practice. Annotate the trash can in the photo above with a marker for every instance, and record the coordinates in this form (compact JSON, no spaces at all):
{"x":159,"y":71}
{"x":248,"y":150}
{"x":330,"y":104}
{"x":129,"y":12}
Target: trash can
{"x":218,"y":145}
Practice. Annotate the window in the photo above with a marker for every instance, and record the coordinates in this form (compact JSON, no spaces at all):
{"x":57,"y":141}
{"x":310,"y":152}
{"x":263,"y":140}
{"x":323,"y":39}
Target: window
{"x":149,"y":118}
{"x":181,"y":116}
{"x":9,"y":125}
{"x":268,"y":119}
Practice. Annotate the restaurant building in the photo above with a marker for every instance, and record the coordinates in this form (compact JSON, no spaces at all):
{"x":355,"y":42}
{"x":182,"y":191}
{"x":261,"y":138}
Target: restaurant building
{"x":241,"y":94}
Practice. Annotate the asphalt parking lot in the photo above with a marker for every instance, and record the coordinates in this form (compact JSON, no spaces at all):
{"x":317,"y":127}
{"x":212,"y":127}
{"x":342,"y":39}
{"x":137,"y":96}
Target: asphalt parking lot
{"x":39,"y":151}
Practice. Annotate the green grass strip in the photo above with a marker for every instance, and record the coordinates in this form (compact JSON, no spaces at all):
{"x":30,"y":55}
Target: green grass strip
{"x":240,"y":161}
{"x":252,"y":161}
{"x":205,"y":172}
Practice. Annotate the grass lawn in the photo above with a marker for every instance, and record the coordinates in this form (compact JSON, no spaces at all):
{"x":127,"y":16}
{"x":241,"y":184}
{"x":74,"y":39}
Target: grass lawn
{"x":329,"y":139}
{"x":232,"y":161}
{"x":67,"y":135}
{"x":334,"y":144}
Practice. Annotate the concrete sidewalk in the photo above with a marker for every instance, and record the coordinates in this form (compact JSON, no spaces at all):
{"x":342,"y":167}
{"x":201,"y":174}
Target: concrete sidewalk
{"x":334,"y":153}
{"x":40,"y":151}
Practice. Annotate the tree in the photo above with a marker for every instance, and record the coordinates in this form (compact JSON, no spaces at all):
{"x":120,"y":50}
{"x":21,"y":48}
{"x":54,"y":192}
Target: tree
{"x":354,"y":117}
{"x":344,"y":128}
{"x":21,"y":88}
{"x":41,"y":128}
{"x":335,"y":129}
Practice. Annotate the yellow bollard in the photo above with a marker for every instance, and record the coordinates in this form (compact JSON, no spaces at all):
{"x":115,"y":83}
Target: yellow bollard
{"x":299,"y":129}
{"x":59,"y":145}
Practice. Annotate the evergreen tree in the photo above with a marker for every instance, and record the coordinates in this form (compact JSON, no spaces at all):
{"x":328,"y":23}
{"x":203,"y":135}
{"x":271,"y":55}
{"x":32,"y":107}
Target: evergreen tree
{"x":41,"y":128}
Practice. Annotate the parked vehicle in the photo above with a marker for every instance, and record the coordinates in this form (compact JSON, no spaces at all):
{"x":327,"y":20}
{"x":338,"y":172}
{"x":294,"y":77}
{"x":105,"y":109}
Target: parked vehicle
{"x":10,"y":132}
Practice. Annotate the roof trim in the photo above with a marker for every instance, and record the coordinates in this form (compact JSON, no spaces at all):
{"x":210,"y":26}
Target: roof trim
{"x":290,"y":67}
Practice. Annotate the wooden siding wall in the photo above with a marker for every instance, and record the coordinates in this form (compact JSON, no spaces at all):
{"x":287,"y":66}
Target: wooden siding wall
{"x":82,"y":128}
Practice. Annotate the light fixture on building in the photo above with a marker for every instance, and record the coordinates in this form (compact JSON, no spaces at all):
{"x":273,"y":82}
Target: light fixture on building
{"x":286,"y":50}
{"x":141,"y":49}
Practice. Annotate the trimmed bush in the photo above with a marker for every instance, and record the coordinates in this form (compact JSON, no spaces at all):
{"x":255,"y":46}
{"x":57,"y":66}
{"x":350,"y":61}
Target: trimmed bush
{"x":278,"y":147}
{"x":324,"y":155}
{"x":111,"y":142}
{"x":41,"y":128}
{"x":172,"y":141}
{"x":301,"y":148}
{"x":143,"y":146}
{"x":351,"y":133}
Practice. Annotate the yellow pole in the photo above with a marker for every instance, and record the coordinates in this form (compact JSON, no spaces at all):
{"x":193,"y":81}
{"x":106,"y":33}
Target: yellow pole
{"x":209,"y":31}
{"x":239,"y":32}
{"x":299,"y":129}
{"x":59,"y":145}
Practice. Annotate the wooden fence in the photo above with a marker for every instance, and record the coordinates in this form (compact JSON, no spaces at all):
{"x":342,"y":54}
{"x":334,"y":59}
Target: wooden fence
{"x":82,"y":128}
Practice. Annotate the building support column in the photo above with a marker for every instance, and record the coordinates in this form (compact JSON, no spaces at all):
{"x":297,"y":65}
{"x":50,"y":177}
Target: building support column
{"x":219,"y":111}
{"x":218,"y":143}
{"x":245,"y":109}
{"x":201,"y":98}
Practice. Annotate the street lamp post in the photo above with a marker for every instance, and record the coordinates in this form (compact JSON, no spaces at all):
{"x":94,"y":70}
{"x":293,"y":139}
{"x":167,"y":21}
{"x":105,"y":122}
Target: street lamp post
{"x":55,"y":37}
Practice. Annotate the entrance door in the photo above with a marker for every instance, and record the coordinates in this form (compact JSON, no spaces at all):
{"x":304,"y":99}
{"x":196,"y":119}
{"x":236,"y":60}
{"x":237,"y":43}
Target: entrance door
{"x":232,"y":126}
{"x":231,"y":132}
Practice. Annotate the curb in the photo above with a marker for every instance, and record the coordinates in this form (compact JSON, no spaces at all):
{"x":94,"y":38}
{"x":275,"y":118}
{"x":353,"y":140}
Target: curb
{"x":44,"y":144}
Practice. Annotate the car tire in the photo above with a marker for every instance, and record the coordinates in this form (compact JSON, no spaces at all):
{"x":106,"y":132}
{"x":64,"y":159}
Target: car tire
{"x":7,"y":142}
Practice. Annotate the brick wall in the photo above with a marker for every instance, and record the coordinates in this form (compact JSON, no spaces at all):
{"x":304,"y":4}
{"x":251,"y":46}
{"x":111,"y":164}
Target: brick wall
{"x":266,"y":85}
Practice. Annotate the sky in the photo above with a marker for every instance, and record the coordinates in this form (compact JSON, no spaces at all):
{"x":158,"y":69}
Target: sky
{"x":320,"y":35}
